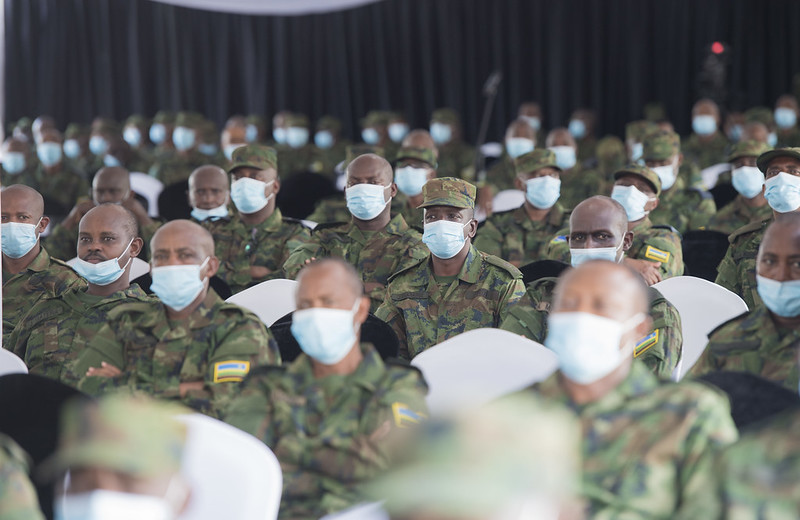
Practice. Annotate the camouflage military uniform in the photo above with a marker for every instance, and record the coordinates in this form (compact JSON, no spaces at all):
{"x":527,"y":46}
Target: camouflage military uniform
{"x":401,"y":205}
{"x":330,"y":434}
{"x":502,"y":174}
{"x":706,"y":153}
{"x":218,"y":344}
{"x":375,"y":255}
{"x":62,"y":242}
{"x":788,"y":138}
{"x":759,"y":476}
{"x":514,"y":237}
{"x":330,"y":210}
{"x":577,"y":186}
{"x":56,"y":330}
{"x":737,"y":271}
{"x":325,"y":160}
{"x":736,"y":215}
{"x":177,"y":167}
{"x":18,"y":499}
{"x":752,"y":342}
{"x":660,"y":350}
{"x":456,"y":160}
{"x":64,"y":186}
{"x":44,"y":278}
{"x":649,"y":445}
{"x":587,"y":149}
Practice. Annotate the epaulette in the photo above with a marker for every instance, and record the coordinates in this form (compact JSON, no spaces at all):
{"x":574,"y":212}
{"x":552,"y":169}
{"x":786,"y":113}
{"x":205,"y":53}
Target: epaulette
{"x":499,"y":262}
{"x":735,"y":318}
{"x":748,"y":228}
{"x":265,"y":370}
{"x":328,"y":225}
{"x":409,"y":267}
{"x":668,"y":228}
{"x":60,"y":262}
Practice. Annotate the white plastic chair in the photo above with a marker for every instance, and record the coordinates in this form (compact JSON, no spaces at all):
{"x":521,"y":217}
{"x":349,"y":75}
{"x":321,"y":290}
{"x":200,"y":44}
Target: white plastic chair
{"x":231,"y":473}
{"x":507,"y":200}
{"x":138,"y":267}
{"x":711,"y":174}
{"x":703,"y":306}
{"x":149,"y":188}
{"x":10,"y":363}
{"x":270,"y":300}
{"x":479,"y":366}
{"x":366,"y":511}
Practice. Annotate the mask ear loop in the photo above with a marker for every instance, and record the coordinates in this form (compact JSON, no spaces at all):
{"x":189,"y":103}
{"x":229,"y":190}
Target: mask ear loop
{"x":130,"y":258}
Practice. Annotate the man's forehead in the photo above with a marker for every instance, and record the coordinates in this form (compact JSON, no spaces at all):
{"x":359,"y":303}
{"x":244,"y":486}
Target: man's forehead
{"x":783,"y":161}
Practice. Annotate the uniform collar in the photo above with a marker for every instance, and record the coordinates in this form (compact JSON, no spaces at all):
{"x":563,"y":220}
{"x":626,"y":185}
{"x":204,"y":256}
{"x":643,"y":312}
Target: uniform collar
{"x":369,"y":371}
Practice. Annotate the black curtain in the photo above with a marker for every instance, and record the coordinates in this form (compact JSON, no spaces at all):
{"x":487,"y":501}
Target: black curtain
{"x":76,"y":59}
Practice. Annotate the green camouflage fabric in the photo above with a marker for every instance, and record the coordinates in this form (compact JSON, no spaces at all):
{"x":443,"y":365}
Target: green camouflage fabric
{"x":502,"y":174}
{"x":18,"y":499}
{"x":660,"y":350}
{"x":587,"y":149}
{"x":257,"y":156}
{"x":334,"y":209}
{"x":424,"y":311}
{"x":578,"y":185}
{"x":324,"y":161}
{"x":788,"y":138}
{"x":640,"y":170}
{"x":759,"y":476}
{"x":296,"y":160}
{"x":760,"y":114}
{"x":64,"y":186}
{"x":331,"y":435}
{"x":685,"y":209}
{"x":737,"y":214}
{"x":44,"y":278}
{"x":268,"y":244}
{"x":218,"y":344}
{"x":649,"y":446}
{"x":706,"y":153}
{"x":456,"y":159}
{"x":55,"y":331}
{"x":752,"y":342}
{"x":660,"y":145}
{"x":747,"y":149}
{"x":421,"y":154}
{"x":737,"y":271}
{"x":376,"y":255}
{"x":189,"y":119}
{"x":448,"y":191}
{"x":62,"y":242}
{"x":610,"y":158}
{"x":514,"y":237}
{"x":140,"y":160}
{"x":651,"y":243}
{"x":636,"y":130}
{"x":535,"y":160}
{"x":414,"y":216}
{"x":176,"y":167}
{"x":375,"y":118}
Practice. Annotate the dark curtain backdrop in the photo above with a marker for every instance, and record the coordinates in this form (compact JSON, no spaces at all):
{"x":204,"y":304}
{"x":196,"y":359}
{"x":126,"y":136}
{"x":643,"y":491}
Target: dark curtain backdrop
{"x":75,"y":59}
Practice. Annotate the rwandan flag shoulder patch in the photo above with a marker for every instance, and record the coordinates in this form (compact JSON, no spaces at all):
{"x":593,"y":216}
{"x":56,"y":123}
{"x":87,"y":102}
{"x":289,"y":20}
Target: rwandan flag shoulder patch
{"x":405,"y":416}
{"x":560,"y":239}
{"x":656,"y":254}
{"x":231,"y":371}
{"x":645,"y":343}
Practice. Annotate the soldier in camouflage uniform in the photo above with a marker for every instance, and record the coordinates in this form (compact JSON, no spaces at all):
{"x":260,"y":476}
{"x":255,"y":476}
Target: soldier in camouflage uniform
{"x":135,"y":132}
{"x":161,"y":135}
{"x":520,"y":139}
{"x":413,"y":168}
{"x":786,"y":112}
{"x":750,"y":205}
{"x":17,"y":161}
{"x":737,"y":271}
{"x":253,"y":246}
{"x":330,"y":148}
{"x":706,"y":146}
{"x":209,"y":197}
{"x":656,"y":251}
{"x":520,"y":236}
{"x":575,"y":185}
{"x":194,"y":352}
{"x":17,"y":495}
{"x":611,"y":157}
{"x":531,"y":112}
{"x":32,"y":275}
{"x":456,"y":158}
{"x":297,"y":155}
{"x":601,"y":222}
{"x":581,"y":126}
{"x":764,"y":340}
{"x":178,"y":166}
{"x":76,"y":148}
{"x":56,"y":330}
{"x":682,"y":208}
{"x":648,"y":445}
{"x":375,"y":132}
{"x":634,"y":137}
{"x":377,"y":247}
{"x":456,"y":288}
{"x":334,"y":416}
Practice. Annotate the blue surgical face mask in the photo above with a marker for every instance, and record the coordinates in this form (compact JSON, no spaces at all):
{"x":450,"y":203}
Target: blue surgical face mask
{"x":177,"y":286}
{"x":704,"y":124}
{"x":410,"y":180}
{"x":207,"y":149}
{"x":735,"y":133}
{"x":518,"y":146}
{"x":748,"y":181}
{"x":103,"y":273}
{"x":72,"y":148}
{"x":637,"y":150}
{"x":251,"y":133}
{"x":183,"y":138}
{"x":228,"y":151}
{"x":324,"y":334}
{"x":370,"y":136}
{"x":296,"y":136}
{"x":543,"y":192}
{"x":323,"y":139}
{"x":632,"y":200}
{"x":782,"y":298}
{"x":441,"y":133}
{"x":111,"y":161}
{"x":785,"y":117}
{"x":444,"y":239}
{"x":212,"y":214}
{"x":565,"y":156}
{"x":783,"y":192}
{"x":98,"y":145}
{"x":533,"y":121}
{"x":666,"y":174}
{"x":158,"y":133}
{"x":18,"y":238}
{"x":577,"y":128}
{"x":579,"y":256}
{"x":132,"y":136}
{"x":13,"y":162}
{"x":398,"y":131}
{"x":49,"y":153}
{"x":279,"y":135}
{"x":366,"y":201}
{"x":772,"y":139}
{"x":249,"y":195}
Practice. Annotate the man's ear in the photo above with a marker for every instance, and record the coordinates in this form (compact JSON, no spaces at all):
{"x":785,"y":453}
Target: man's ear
{"x":363,"y":309}
{"x":136,"y":247}
{"x":212,"y":266}
{"x":472,"y":229}
{"x":627,"y":240}
{"x":43,"y":225}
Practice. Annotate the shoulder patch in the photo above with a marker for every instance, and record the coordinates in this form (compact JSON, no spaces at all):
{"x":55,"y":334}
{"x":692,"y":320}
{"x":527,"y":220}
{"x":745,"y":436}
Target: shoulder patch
{"x":724,"y":323}
{"x":659,"y":255}
{"x":559,"y":239}
{"x":499,"y":262}
{"x":645,"y":343}
{"x":232,"y":371}
{"x":404,"y":416}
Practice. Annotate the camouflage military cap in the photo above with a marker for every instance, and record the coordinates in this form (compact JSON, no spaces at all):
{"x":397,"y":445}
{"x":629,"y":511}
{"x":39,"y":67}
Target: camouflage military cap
{"x":641,"y":171}
{"x":760,"y":115}
{"x":254,"y":119}
{"x":74,"y":131}
{"x":421,"y":154}
{"x":296,"y":120}
{"x":536,"y":160}
{"x":747,"y":149}
{"x":660,"y":145}
{"x":375,"y":118}
{"x":208,"y":131}
{"x":655,"y":112}
{"x":610,"y":146}
{"x":189,"y":119}
{"x":636,"y":130}
{"x":137,"y":120}
{"x":255,"y":156}
{"x":396,"y":116}
{"x":448,"y":191}
{"x":764,"y":159}
{"x":329,"y":123}
{"x":131,"y":435}
{"x":164,"y":117}
{"x":445,"y":115}
{"x":351,"y":152}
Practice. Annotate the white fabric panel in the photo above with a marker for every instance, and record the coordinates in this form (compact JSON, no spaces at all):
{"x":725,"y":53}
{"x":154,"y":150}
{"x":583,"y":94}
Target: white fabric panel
{"x":270,"y":7}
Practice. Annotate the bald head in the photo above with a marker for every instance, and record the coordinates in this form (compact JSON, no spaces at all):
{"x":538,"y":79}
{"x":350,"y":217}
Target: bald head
{"x":19,"y":197}
{"x":420,"y":138}
{"x":112,"y":217}
{"x":111,"y":185}
{"x":560,"y":137}
{"x":330,"y":278}
{"x":182,"y":235}
{"x":369,"y":167}
{"x":602,"y":288}
{"x":600,"y":212}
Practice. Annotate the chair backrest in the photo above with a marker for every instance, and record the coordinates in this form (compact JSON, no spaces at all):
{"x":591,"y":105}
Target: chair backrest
{"x":479,"y":366}
{"x":149,"y":188}
{"x":232,"y":474}
{"x":703,"y":306}
{"x":507,"y":199}
{"x":703,"y":250}
{"x":138,"y":267}
{"x":10,"y":363}
{"x":173,"y":203}
{"x":542,"y":269}
{"x":269,"y":300}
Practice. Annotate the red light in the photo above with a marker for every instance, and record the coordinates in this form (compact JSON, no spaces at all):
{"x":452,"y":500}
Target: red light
{"x":717,"y":48}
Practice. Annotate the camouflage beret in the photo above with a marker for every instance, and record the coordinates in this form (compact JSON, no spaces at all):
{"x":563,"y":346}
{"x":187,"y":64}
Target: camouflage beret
{"x":644,"y":172}
{"x":189,"y":119}
{"x":375,"y":118}
{"x":353,"y":151}
{"x":636,"y":130}
{"x":329,"y":123}
{"x":448,"y":191}
{"x":254,"y":119}
{"x":74,"y":131}
{"x":764,"y":159}
{"x":421,"y":154}
{"x":164,"y":117}
{"x":747,"y":149}
{"x":256,"y":156}
{"x":137,"y":120}
{"x":445,"y":115}
{"x":131,"y":435}
{"x":660,"y":145}
{"x":610,"y":146}
{"x":760,"y":115}
{"x":655,"y":112}
{"x":536,"y":160}
{"x":297,"y":120}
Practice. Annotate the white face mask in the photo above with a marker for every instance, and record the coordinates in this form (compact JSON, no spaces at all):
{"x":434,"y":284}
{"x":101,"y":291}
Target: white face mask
{"x":666,"y":174}
{"x":112,"y":505}
{"x":579,"y":256}
{"x":325,"y":334}
{"x":632,"y":200}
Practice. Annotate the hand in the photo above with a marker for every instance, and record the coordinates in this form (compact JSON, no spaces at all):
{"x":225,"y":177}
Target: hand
{"x":106,"y":370}
{"x":184,"y":388}
{"x":650,"y":271}
{"x":259,"y":271}
{"x":77,"y":213}
{"x":310,"y":260}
